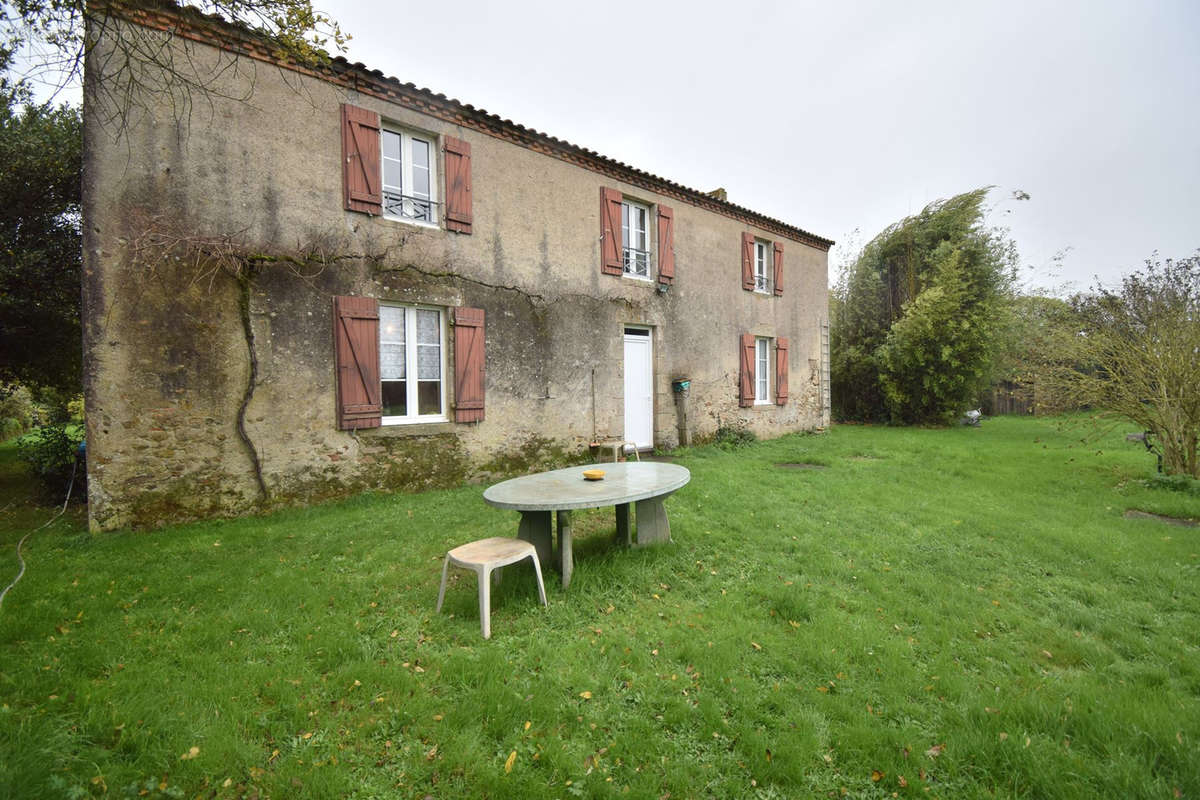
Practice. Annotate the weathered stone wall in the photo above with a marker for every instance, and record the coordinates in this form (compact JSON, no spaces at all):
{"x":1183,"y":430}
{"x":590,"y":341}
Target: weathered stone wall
{"x":168,"y":364}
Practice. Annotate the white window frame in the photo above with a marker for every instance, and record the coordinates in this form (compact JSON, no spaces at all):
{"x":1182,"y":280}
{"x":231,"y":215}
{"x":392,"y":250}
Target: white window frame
{"x":762,"y":266}
{"x":627,"y":207}
{"x":410,"y":365}
{"x":762,"y":371}
{"x":407,"y":167}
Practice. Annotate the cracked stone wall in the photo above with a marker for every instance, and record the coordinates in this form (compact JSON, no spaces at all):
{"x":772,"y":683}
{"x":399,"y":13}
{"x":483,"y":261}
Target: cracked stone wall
{"x":167,"y":363}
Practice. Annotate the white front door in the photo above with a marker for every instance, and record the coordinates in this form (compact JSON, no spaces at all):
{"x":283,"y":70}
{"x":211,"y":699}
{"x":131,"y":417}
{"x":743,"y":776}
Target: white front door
{"x":639,"y":388}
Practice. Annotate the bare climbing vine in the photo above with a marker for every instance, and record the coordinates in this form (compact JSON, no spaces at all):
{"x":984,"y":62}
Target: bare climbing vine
{"x":206,"y":260}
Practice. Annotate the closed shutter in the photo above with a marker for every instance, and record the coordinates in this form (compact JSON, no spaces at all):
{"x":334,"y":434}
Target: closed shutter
{"x":666,"y":245}
{"x":778,"y":268}
{"x":361,"y":176}
{"x":748,"y":261}
{"x":458,"y":185}
{"x":468,"y":364}
{"x":356,"y":349}
{"x":610,"y":232}
{"x":746,"y":371}
{"x":781,"y":371}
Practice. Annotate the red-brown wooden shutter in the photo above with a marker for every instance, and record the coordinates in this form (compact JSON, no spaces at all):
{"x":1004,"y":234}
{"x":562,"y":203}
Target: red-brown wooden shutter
{"x":746,"y":371}
{"x":356,"y":348}
{"x":468,"y":364}
{"x":458,"y":185}
{"x":778,"y":268}
{"x":748,"y":261}
{"x":361,"y":176}
{"x":781,"y":371}
{"x":610,"y":232}
{"x":666,"y":245}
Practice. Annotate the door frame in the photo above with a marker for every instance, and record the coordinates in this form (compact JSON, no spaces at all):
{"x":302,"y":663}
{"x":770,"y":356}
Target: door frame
{"x":649,"y":338}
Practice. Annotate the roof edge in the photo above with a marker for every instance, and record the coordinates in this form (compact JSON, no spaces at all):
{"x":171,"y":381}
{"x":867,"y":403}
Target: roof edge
{"x":237,"y":38}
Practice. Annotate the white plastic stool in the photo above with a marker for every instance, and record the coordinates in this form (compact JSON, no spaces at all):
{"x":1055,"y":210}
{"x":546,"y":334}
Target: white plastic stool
{"x":484,"y":556}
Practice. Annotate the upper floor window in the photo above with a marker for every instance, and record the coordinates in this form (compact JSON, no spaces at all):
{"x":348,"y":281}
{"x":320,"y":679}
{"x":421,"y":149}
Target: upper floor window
{"x":636,"y":238}
{"x":762,"y":370}
{"x":409,"y":176}
{"x":411,"y":363}
{"x":762,"y":268}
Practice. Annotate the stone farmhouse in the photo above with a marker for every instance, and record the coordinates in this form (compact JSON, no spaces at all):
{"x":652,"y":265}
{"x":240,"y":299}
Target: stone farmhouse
{"x":306,"y":282}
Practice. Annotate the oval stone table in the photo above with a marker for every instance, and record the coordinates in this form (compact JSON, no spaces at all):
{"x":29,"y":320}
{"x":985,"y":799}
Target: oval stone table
{"x":645,"y":484}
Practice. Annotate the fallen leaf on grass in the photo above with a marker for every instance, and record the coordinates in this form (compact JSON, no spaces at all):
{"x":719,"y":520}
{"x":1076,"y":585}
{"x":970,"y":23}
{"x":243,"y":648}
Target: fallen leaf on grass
{"x":935,"y":751}
{"x":432,"y":754}
{"x":1046,"y":653}
{"x":527,"y":724}
{"x":190,"y":754}
{"x":900,"y":780}
{"x":508,"y":765}
{"x":877,"y":776}
{"x":756,"y":645}
{"x":586,"y":695}
{"x":1003,"y":736}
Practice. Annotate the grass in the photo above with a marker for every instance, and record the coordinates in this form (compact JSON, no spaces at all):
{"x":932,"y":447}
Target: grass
{"x":937,"y":613}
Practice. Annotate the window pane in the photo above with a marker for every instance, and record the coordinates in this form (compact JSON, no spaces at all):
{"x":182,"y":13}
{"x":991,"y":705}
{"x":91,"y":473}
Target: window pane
{"x":395,"y":398}
{"x":429,"y":397}
{"x":625,"y":223}
{"x":391,"y":145}
{"x":391,"y":361}
{"x":420,"y":172}
{"x":420,"y":153}
{"x":428,"y":326}
{"x":391,"y":324}
{"x":429,"y":362}
{"x":639,"y":228}
{"x":391,"y":173}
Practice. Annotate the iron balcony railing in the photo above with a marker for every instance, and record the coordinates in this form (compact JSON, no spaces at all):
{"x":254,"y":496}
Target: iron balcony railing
{"x":637,"y":262}
{"x":408,"y":206}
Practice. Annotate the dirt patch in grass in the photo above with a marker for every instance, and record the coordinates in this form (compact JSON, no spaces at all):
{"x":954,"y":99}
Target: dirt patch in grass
{"x":1183,"y":523}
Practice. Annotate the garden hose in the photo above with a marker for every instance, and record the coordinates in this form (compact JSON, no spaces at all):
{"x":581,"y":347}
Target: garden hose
{"x":21,"y":561}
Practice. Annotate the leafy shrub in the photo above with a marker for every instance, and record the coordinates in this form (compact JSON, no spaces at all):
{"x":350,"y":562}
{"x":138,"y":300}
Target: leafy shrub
{"x":50,"y":453}
{"x":75,"y":408}
{"x":730,"y":437}
{"x":1175,"y":483}
{"x":16,"y":411}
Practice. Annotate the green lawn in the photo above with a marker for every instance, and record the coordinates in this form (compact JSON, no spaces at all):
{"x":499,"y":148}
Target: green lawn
{"x":936,"y":613}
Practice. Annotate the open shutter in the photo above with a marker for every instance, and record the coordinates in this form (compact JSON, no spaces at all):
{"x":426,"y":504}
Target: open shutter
{"x":361,"y":176}
{"x":666,"y":245}
{"x":748,"y":261}
{"x":458,"y":185}
{"x":781,"y":371}
{"x":468,"y":364}
{"x":356,"y":348}
{"x":778,"y":268}
{"x":746,"y":371}
{"x":610,"y":231}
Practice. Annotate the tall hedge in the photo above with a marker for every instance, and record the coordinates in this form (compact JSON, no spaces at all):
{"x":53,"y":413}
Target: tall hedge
{"x":916,"y":318}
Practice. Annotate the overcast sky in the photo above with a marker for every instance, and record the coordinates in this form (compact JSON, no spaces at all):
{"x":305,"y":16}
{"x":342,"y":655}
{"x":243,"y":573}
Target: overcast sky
{"x":843,"y":116}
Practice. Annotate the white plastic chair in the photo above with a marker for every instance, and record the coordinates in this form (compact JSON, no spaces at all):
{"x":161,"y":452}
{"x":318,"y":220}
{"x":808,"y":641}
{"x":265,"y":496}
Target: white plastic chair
{"x":483,"y":557}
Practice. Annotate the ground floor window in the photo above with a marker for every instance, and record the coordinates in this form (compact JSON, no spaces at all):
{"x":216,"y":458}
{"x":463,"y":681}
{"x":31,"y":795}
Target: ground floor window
{"x":762,"y":370}
{"x":412,"y":363}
